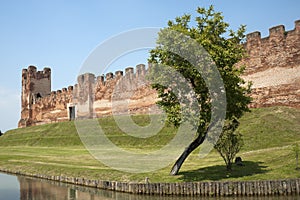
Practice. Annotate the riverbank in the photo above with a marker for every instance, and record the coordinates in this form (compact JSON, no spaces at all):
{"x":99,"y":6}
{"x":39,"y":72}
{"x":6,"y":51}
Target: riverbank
{"x":206,"y":189}
{"x":55,"y":150}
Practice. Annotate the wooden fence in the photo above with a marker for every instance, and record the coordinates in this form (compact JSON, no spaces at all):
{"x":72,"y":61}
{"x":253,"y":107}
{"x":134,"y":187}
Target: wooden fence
{"x":212,"y":189}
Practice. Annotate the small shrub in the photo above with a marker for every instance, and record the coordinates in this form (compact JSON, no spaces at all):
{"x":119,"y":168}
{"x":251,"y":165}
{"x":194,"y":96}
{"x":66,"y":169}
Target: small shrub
{"x":229,"y":143}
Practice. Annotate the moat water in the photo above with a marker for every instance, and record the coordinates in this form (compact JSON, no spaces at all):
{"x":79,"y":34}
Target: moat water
{"x":25,"y":188}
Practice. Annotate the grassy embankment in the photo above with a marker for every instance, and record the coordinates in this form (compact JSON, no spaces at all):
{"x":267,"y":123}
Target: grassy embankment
{"x":56,"y":149}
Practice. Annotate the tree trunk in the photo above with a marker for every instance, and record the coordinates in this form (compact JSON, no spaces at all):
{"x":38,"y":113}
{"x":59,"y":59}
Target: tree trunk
{"x":199,"y":140}
{"x":229,"y":166}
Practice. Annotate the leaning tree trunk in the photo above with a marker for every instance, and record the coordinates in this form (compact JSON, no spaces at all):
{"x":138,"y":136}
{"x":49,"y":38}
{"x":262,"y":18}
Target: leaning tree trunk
{"x":199,"y":140}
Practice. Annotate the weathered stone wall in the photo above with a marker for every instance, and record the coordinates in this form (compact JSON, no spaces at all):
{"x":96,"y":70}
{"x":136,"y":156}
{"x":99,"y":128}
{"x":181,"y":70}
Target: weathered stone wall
{"x":272,"y":65}
{"x":35,"y":85}
{"x":52,"y":108}
{"x":91,"y":97}
{"x":126,"y":94}
{"x":279,"y":49}
{"x":281,"y":95}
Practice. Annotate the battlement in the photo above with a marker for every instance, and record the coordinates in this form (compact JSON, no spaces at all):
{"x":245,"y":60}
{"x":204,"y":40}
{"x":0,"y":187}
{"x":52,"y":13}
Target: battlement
{"x":36,"y":83}
{"x":62,"y":91}
{"x":297,"y":25}
{"x":31,"y":72}
{"x":279,"y":49}
{"x":130,"y":73}
{"x":276,"y":31}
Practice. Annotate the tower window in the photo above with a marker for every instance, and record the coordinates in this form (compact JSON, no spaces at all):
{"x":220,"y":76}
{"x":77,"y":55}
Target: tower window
{"x":38,"y":95}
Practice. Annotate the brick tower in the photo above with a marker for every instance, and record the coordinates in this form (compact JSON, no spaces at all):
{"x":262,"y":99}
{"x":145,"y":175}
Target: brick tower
{"x":35,"y":84}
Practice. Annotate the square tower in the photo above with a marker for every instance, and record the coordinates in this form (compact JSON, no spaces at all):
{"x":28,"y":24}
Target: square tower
{"x":35,"y":85}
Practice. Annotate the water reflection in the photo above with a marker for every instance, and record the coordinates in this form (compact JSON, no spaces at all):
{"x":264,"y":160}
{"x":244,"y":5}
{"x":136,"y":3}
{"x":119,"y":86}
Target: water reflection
{"x":9,"y":187}
{"x":25,"y":188}
{"x":42,"y":189}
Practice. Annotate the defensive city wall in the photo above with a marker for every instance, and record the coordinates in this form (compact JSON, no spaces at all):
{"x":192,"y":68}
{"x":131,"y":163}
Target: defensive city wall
{"x":91,"y":97}
{"x":272,"y":64}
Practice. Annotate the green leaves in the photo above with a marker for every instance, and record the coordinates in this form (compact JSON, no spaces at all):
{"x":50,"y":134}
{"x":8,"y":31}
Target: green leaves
{"x":210,"y":32}
{"x":229,"y":143}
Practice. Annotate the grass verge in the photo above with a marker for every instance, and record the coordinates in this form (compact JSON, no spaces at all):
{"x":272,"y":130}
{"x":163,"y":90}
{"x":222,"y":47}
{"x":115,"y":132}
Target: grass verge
{"x":56,"y":149}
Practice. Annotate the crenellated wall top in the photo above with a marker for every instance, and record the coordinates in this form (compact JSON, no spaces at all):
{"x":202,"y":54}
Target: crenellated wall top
{"x":31,"y":71}
{"x":276,"y":31}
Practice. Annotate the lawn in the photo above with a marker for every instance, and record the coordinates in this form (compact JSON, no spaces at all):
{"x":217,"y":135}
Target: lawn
{"x":56,"y":149}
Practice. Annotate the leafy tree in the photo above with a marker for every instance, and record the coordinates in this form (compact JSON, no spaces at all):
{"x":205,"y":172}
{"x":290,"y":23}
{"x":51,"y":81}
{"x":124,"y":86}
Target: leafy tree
{"x":1,"y":133}
{"x":212,"y":33}
{"x":229,"y":143}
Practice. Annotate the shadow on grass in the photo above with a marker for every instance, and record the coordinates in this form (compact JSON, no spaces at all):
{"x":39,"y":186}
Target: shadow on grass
{"x":219,"y":172}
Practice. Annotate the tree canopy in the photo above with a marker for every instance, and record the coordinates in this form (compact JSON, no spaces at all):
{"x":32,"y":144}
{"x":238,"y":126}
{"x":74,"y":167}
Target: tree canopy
{"x":225,"y":49}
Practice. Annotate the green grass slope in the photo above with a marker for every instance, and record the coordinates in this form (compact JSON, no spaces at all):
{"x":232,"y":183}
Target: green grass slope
{"x":270,"y":127}
{"x":56,"y":134}
{"x":56,"y":149}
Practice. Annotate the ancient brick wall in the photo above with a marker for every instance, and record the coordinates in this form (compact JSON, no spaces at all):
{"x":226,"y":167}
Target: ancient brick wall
{"x":126,"y":94}
{"x":272,"y":65}
{"x":39,"y":104}
{"x":35,"y":86}
{"x":91,"y":97}
{"x":279,"y":49}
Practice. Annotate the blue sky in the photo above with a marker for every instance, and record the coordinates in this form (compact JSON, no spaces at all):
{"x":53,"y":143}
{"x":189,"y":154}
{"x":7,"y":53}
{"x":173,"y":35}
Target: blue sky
{"x":61,"y":34}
